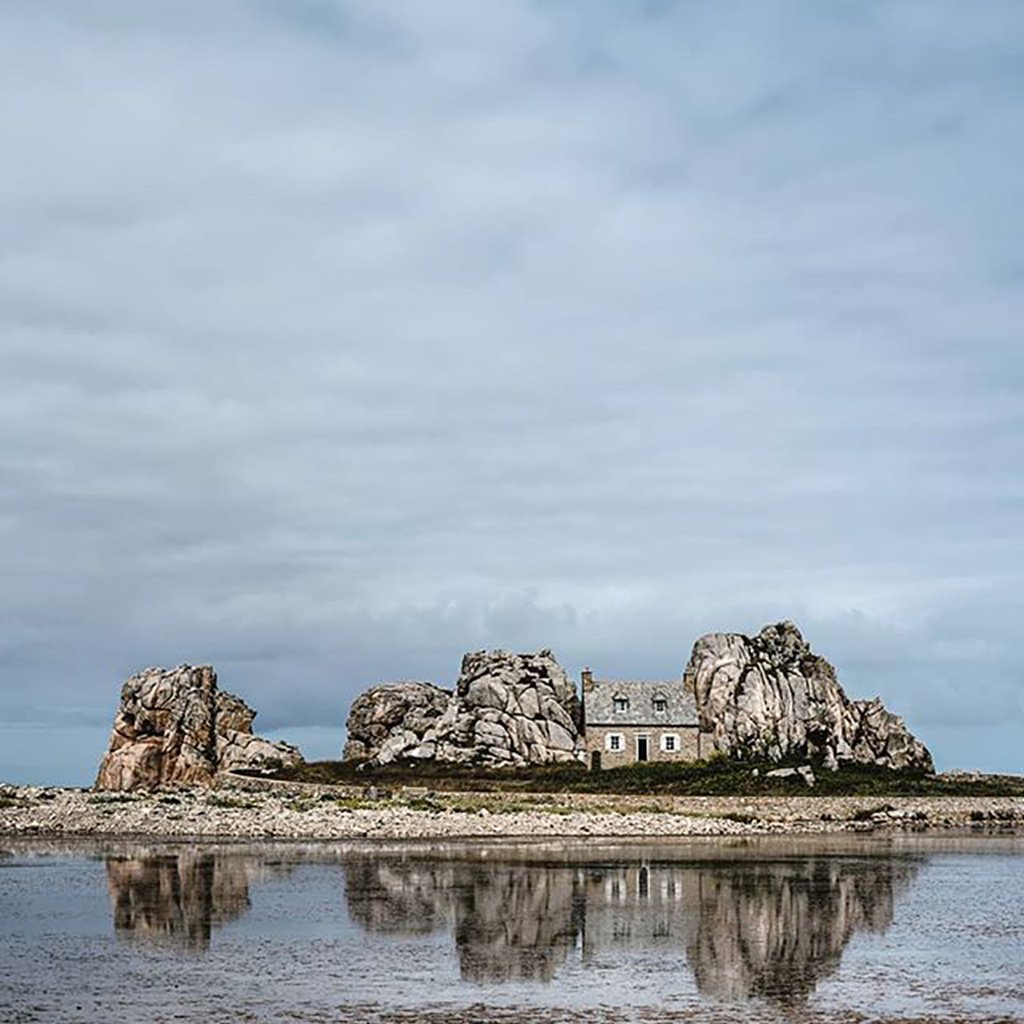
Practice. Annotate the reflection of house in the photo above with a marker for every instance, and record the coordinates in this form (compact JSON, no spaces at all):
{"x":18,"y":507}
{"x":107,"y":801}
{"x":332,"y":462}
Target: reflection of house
{"x":628,"y":721}
{"x":639,"y":907}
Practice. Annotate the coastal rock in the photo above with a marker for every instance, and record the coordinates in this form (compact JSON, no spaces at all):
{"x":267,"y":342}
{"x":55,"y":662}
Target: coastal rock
{"x":513,"y":709}
{"x":394,"y":720}
{"x":771,"y":696}
{"x":175,"y":728}
{"x":506,"y":709}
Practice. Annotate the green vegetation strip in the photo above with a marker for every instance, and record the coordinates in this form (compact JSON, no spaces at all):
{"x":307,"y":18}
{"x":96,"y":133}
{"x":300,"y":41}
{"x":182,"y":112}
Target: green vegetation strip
{"x":716,"y":777}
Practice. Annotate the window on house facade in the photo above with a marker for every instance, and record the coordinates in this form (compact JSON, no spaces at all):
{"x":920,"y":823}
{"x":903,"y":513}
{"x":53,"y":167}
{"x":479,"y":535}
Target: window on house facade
{"x":669,"y":742}
{"x":661,"y":704}
{"x":614,"y":741}
{"x":620,"y":703}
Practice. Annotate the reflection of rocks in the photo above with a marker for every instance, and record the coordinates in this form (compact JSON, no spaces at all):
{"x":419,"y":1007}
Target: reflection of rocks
{"x":178,"y":899}
{"x":748,"y":928}
{"x":511,"y":921}
{"x":776,"y":929}
{"x":516,"y":923}
{"x":399,"y":898}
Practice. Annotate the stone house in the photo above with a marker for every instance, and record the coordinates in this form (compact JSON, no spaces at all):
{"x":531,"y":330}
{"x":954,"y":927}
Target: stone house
{"x":626,"y":721}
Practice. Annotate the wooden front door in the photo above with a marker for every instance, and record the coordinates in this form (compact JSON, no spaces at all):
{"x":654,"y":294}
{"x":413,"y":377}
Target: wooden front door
{"x":641,"y":748}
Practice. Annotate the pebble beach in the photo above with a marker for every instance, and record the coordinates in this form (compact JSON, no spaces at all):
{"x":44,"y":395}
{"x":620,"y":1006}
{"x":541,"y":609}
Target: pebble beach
{"x":244,"y":809}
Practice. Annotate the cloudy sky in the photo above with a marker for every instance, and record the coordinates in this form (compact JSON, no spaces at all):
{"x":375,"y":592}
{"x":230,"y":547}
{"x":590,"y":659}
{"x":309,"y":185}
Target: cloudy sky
{"x":340,"y":338}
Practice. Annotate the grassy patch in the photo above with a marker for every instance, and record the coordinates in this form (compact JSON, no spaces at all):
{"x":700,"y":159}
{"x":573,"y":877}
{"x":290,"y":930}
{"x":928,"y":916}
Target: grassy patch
{"x":221,"y":800}
{"x":715,"y":777}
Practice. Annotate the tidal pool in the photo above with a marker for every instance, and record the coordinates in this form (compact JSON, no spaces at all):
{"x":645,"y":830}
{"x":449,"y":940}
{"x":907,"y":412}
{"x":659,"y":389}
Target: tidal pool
{"x":824,"y":928}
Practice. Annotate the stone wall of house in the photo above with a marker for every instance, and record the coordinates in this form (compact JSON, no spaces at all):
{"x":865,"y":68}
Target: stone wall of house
{"x":687,"y":743}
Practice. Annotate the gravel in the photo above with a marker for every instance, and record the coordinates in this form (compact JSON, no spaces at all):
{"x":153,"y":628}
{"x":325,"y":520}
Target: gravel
{"x":244,"y":809}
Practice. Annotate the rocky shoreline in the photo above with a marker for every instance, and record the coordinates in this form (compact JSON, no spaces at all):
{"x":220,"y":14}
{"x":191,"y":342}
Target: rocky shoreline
{"x":246,"y":809}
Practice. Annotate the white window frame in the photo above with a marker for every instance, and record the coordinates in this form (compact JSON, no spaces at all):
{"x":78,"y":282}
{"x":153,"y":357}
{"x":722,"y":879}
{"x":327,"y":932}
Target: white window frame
{"x":665,"y":737}
{"x":620,"y":704}
{"x":620,"y":740}
{"x":660,"y":704}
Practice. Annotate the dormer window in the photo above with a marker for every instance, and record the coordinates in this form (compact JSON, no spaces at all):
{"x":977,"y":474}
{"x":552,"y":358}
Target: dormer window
{"x":660,"y":704}
{"x":620,"y":703}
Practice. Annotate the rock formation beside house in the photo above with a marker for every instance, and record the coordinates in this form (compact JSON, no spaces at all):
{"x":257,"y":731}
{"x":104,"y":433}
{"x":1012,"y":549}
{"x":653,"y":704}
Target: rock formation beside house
{"x":175,"y":728}
{"x":771,"y":696}
{"x":395,"y":720}
{"x":506,"y":709}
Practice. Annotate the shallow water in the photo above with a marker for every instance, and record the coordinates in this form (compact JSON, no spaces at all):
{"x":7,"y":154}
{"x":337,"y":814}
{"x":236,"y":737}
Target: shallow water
{"x":818,"y":929}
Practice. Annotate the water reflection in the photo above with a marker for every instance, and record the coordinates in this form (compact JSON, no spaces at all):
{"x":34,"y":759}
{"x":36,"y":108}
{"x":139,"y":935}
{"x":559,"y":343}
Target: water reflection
{"x":510,"y":921}
{"x":776,"y":930}
{"x":746,"y":927}
{"x":178,"y":899}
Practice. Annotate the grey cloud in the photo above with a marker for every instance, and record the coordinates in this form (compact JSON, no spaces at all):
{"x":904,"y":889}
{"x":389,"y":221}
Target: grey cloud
{"x":338,"y":339}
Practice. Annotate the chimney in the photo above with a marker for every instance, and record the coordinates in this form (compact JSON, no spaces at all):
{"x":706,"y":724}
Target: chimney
{"x":588,"y":680}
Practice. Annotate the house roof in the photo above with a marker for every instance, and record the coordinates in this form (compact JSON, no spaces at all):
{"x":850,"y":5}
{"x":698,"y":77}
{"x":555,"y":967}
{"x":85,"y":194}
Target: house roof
{"x":599,"y":703}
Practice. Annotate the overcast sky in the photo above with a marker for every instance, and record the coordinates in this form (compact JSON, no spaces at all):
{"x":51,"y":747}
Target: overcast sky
{"x":340,"y":338}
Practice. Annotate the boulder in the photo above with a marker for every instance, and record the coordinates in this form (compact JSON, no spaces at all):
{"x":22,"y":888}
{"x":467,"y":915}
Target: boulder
{"x":175,"y":728}
{"x":529,"y":708}
{"x":394,"y":720}
{"x":506,"y":709}
{"x":771,"y":696}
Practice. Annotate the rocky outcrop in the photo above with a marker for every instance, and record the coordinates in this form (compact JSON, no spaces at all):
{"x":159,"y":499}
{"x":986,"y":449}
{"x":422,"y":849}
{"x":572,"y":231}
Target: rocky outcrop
{"x":771,"y":696}
{"x":506,"y":709}
{"x":511,"y":709}
{"x":395,"y":720}
{"x":175,"y":728}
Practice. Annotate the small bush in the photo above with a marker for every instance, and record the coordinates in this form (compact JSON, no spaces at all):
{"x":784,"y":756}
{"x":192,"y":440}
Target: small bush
{"x":867,"y":813}
{"x":220,"y":800}
{"x":113,"y":798}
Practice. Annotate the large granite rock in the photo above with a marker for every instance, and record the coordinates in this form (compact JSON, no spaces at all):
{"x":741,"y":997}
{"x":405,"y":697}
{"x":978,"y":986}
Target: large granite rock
{"x":511,"y":709}
{"x":771,"y":696}
{"x":395,"y":720}
{"x":506,"y":709}
{"x":174,"y":727}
